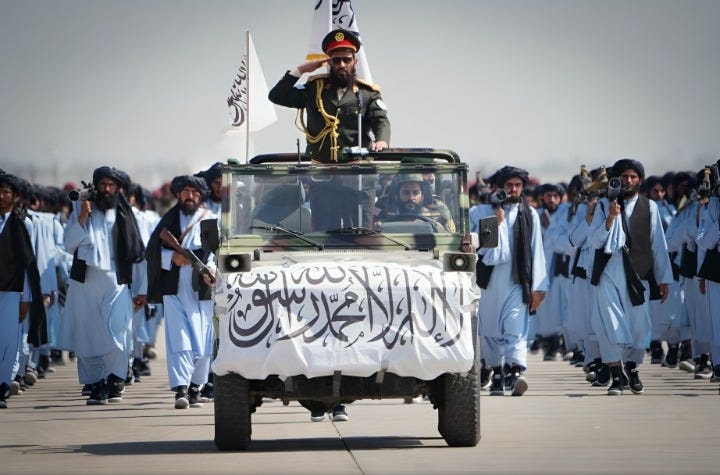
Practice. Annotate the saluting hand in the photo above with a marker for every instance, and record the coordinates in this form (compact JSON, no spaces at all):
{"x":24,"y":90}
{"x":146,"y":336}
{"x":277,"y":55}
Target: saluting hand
{"x":311,"y":66}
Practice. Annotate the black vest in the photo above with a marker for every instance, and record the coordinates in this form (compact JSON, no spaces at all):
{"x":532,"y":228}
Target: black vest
{"x":641,"y":246}
{"x":12,"y":270}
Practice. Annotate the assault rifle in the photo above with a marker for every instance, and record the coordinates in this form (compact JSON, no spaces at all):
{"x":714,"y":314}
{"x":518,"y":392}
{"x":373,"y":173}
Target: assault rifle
{"x":168,"y":238}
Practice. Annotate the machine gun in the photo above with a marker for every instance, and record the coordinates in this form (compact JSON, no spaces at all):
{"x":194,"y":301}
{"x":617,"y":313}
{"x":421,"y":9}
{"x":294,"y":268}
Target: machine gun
{"x":168,"y":238}
{"x":87,"y":193}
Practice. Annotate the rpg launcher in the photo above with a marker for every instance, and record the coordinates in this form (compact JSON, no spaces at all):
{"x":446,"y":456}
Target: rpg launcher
{"x":87,"y":193}
{"x":168,"y":238}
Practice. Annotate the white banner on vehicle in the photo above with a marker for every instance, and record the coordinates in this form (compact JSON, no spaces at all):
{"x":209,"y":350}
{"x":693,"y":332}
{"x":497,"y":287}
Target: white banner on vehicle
{"x":357,"y":318}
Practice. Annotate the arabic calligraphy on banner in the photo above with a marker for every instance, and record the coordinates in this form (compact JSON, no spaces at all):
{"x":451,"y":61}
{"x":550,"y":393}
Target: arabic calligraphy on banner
{"x":313,"y":320}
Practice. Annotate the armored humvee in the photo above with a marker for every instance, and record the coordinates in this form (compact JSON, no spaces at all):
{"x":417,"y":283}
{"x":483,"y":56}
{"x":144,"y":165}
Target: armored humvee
{"x":330,"y":290}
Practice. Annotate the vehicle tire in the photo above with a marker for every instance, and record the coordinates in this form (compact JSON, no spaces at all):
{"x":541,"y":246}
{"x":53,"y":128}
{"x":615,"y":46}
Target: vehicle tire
{"x":459,"y":409}
{"x":232,"y":412}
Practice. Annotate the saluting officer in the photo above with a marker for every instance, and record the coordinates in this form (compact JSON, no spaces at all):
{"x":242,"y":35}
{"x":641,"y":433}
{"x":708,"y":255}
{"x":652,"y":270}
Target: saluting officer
{"x":333,"y":101}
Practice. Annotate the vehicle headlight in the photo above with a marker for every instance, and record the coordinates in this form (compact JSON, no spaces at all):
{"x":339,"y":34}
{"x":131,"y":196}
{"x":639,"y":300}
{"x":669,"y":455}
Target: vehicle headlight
{"x":459,"y":262}
{"x":236,"y":263}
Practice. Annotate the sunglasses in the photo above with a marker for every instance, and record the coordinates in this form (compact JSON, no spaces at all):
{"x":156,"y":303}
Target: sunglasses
{"x":342,"y":59}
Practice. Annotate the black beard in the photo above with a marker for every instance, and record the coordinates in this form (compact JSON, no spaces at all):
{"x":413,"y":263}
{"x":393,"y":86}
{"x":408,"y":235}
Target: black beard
{"x":106,"y":201}
{"x":346,"y":81}
{"x":411,"y":208}
{"x":512,"y":199}
{"x":630,"y":192}
{"x":189,"y":207}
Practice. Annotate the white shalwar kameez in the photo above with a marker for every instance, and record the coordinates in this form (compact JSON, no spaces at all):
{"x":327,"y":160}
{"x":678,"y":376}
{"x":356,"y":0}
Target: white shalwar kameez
{"x":188,"y":320}
{"x":99,"y":308}
{"x":708,"y":237}
{"x":623,"y":330}
{"x":503,"y":316}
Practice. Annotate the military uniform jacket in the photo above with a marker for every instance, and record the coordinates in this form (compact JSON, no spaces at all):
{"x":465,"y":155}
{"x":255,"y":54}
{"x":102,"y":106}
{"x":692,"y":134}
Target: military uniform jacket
{"x":373,"y":112}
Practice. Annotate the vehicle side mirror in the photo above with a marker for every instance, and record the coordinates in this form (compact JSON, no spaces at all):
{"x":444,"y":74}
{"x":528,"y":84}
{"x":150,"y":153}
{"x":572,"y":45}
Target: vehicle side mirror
{"x":488,"y":232}
{"x":209,"y":235}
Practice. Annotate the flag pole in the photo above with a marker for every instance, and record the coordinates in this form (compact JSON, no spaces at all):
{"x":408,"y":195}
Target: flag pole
{"x":247,"y":122}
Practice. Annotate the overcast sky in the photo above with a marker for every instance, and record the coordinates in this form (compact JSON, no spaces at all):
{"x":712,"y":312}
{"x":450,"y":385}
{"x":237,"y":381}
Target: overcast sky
{"x":542,"y":84}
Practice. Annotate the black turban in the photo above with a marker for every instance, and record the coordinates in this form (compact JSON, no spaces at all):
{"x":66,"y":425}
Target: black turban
{"x":551,"y":187}
{"x":118,"y":176}
{"x":12,"y":181}
{"x":215,"y":171}
{"x":507,"y":172}
{"x":627,"y":164}
{"x":180,"y":182}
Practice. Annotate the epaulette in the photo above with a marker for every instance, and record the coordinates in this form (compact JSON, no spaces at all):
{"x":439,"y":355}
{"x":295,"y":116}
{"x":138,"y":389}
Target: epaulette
{"x":369,"y":85}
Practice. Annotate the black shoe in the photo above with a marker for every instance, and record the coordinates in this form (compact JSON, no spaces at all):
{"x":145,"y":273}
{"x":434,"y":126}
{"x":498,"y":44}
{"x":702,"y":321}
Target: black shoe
{"x":194,"y":398}
{"x":31,"y":376}
{"x":656,"y":352}
{"x":616,"y":388}
{"x":715,"y":378}
{"x":44,"y":366}
{"x":23,"y":387}
{"x":99,"y":395}
{"x":686,"y":351}
{"x":339,"y":414}
{"x":57,"y":357}
{"x":602,"y":376}
{"x":115,"y":387}
{"x":518,"y":383}
{"x":497,"y":387}
{"x":703,"y":367}
{"x":633,"y":378}
{"x":207,"y":394}
{"x":485,"y":374}
{"x":552,"y":348}
{"x":150,"y":352}
{"x":671,"y":358}
{"x":536,"y":344}
{"x":182,"y":401}
{"x":591,"y":370}
{"x":87,"y":389}
{"x":509,"y":380}
{"x":317,"y":416}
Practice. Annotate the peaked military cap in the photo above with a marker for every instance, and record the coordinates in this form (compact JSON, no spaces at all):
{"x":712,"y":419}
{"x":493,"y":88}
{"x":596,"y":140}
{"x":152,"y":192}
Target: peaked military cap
{"x":340,"y":39}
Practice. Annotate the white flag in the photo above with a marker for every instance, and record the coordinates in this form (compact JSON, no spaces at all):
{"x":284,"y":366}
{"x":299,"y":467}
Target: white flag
{"x":329,"y":15}
{"x":248,"y":100}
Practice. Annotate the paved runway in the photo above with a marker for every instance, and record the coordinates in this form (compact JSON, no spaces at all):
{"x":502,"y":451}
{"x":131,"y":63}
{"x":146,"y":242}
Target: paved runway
{"x":561,"y":425}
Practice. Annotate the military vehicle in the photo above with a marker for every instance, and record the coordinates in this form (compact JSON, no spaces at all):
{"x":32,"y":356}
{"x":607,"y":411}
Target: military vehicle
{"x":332,"y":289}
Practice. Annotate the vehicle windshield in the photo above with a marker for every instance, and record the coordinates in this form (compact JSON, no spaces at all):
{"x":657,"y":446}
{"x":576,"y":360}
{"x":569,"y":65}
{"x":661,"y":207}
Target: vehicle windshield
{"x":341,"y":200}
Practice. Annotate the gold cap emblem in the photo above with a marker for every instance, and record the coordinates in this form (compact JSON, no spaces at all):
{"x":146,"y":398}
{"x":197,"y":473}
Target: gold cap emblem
{"x":339,"y":36}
